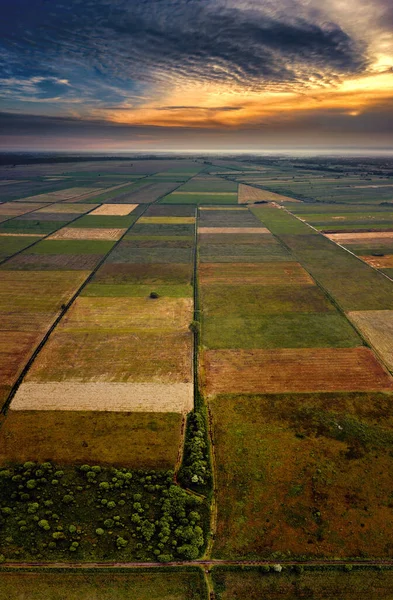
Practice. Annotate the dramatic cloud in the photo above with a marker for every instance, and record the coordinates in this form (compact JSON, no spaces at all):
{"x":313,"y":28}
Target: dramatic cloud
{"x":206,"y":64}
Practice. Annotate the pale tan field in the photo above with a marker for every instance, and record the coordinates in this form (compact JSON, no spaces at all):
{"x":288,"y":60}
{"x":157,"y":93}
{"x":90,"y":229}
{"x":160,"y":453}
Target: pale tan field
{"x":109,"y":397}
{"x":81,"y":233}
{"x":232,"y":230}
{"x":376,"y":326}
{"x":14,"y":210}
{"x":265,"y":273}
{"x":59,"y":195}
{"x":168,"y":220}
{"x":347,"y":238}
{"x":379,"y":262}
{"x":128,"y":314}
{"x":249,"y":195}
{"x":114,"y":209}
{"x":68,"y":208}
{"x":293,"y":370}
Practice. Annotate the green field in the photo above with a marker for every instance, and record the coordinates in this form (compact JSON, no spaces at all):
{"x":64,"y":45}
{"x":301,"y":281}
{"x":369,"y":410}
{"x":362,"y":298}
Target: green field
{"x":291,"y":475}
{"x":294,"y":583}
{"x":138,"y":585}
{"x":352,"y":283}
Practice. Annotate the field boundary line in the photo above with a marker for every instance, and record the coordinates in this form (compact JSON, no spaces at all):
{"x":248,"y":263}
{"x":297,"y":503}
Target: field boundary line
{"x":328,"y":294}
{"x":63,"y":311}
{"x":45,"y":237}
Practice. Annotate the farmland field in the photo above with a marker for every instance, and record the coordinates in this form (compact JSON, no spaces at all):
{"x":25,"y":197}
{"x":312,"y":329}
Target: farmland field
{"x":181,"y":336}
{"x":103,"y":586}
{"x":324,"y":585}
{"x":291,"y":472}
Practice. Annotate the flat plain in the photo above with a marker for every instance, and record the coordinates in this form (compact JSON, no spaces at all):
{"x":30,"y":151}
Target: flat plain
{"x":223,"y":326}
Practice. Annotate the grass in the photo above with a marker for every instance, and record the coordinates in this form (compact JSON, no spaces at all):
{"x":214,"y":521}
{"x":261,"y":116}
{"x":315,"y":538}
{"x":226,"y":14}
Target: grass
{"x":208,"y":184}
{"x":126,"y":252}
{"x":145,"y":274}
{"x":103,"y":586}
{"x":228,"y":218}
{"x":198,"y":199}
{"x":293,"y":330}
{"x":242,"y":253}
{"x":296,"y":475}
{"x":37,"y":291}
{"x":160,"y":210}
{"x":13,"y":244}
{"x":352,"y":283}
{"x":253,"y":584}
{"x":31,"y":227}
{"x":132,"y":290}
{"x":138,"y":440}
{"x":220,"y":300}
{"x":153,"y":229}
{"x":52,"y":262}
{"x":72,"y":247}
{"x":105,"y":221}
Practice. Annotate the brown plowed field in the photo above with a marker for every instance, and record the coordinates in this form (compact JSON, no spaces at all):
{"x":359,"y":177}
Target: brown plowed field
{"x":49,"y":262}
{"x":249,"y":195}
{"x":254,"y":273}
{"x":80,"y":233}
{"x":377,"y":327}
{"x":379,"y":262}
{"x":293,"y":370}
{"x":16,"y":348}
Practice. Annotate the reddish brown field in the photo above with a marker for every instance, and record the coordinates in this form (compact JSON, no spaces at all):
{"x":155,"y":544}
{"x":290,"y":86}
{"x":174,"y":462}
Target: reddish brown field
{"x":49,"y":262}
{"x":379,"y":262}
{"x":16,"y":347}
{"x":266,"y":273}
{"x":293,"y":370}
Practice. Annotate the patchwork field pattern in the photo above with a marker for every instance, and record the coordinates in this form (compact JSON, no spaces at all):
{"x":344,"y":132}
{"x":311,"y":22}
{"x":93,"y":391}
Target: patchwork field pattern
{"x":29,"y":304}
{"x":295,"y":340}
{"x":117,"y":351}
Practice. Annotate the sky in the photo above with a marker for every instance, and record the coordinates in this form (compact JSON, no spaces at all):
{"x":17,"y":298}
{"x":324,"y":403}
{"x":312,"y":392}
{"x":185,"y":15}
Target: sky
{"x":203,"y":75}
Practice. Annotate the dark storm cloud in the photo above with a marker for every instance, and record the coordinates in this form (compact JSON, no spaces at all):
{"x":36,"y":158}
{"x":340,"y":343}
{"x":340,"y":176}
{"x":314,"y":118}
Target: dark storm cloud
{"x":146,"y":41}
